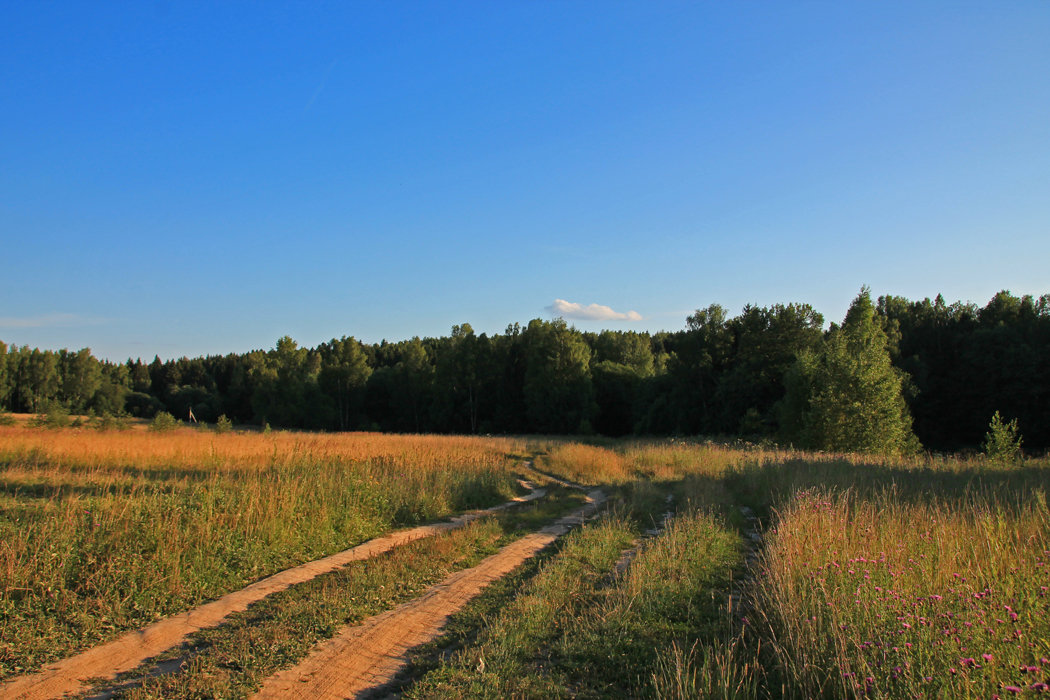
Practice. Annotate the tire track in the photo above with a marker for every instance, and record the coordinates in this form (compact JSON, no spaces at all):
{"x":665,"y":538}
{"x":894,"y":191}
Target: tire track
{"x":127,"y":652}
{"x":364,"y":657}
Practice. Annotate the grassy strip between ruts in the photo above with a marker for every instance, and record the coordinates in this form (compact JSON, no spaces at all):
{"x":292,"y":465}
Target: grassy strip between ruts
{"x":232,"y":660}
{"x":577,"y":631}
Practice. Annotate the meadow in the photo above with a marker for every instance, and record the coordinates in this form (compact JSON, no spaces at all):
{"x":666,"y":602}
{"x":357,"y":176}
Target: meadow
{"x":883,"y":595}
{"x":924,"y":576}
{"x":878,"y":577}
{"x":104,"y":531}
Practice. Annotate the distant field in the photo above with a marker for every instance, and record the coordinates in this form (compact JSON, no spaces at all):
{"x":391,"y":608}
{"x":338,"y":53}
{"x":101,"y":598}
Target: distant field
{"x":896,"y":577}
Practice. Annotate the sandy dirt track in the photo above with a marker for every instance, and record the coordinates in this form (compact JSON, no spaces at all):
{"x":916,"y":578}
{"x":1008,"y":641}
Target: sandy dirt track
{"x":369,"y":655}
{"x":127,"y":652}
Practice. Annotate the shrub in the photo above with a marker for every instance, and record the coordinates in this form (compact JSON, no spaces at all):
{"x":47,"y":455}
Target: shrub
{"x":108,"y":421}
{"x":223,"y":425}
{"x":56,"y":416}
{"x":1002,"y":442}
{"x":163,"y":421}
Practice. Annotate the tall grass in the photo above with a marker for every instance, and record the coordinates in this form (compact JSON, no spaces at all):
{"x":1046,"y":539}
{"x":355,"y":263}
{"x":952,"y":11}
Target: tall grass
{"x":884,"y":596}
{"x":102,"y":532}
{"x":658,"y":460}
{"x":585,"y":464}
{"x":881,"y":577}
{"x":196,"y":450}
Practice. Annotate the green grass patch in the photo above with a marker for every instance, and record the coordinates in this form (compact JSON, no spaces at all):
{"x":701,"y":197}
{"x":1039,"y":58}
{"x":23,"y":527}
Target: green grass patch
{"x":577,"y":631}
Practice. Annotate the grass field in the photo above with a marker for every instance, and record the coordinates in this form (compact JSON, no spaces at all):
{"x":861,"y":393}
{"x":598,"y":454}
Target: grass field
{"x":895,"y":578}
{"x":106,"y":531}
{"x":891,"y":578}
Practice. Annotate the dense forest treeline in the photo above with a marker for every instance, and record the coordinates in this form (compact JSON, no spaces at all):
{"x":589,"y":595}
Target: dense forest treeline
{"x":957,"y":364}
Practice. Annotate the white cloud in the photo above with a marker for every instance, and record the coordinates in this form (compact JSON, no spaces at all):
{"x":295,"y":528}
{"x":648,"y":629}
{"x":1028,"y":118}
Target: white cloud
{"x":593,"y":312}
{"x":49,"y":321}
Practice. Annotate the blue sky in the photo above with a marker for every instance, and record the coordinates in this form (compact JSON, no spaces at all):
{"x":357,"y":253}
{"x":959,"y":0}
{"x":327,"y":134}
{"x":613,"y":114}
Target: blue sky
{"x":200,"y":178}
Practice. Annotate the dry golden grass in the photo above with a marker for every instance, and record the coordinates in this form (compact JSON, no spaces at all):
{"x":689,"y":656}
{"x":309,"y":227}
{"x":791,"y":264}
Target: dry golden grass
{"x":585,"y":464}
{"x":189,"y":448}
{"x":659,"y":460}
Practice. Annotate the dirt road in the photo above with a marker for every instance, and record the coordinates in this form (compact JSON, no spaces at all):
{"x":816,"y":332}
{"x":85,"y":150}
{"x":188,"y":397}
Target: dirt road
{"x":127,"y":652}
{"x":369,"y":655}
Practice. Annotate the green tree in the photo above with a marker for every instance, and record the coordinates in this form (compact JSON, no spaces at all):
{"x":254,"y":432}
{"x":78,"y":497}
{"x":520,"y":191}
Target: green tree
{"x":140,"y":379}
{"x":37,"y":380}
{"x":622,"y":361}
{"x":81,"y":377}
{"x":686,"y":399}
{"x":113,"y":389}
{"x":458,"y":376}
{"x":628,"y":348}
{"x":343,"y":377}
{"x":559,"y":395}
{"x":847,"y":396}
{"x":413,"y":378}
{"x":616,"y":392}
{"x":163,"y":422}
{"x":505,"y":377}
{"x":765,"y":344}
{"x":4,"y":388}
{"x":287,"y":386}
{"x":1002,"y":442}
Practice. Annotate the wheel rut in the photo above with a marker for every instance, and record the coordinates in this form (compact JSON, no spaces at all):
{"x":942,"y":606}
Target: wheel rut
{"x":77,"y":673}
{"x":364,"y":657}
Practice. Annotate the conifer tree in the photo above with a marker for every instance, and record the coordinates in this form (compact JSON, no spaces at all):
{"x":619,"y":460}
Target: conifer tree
{"x":847,"y":396}
{"x":1002,"y":442}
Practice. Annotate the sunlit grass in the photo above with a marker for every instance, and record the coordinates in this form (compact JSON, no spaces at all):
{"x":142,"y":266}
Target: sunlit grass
{"x":922,"y":575}
{"x":887,"y":597}
{"x":657,"y":460}
{"x":102,"y":532}
{"x":234,"y":659}
{"x":198,"y":449}
{"x":585,"y":464}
